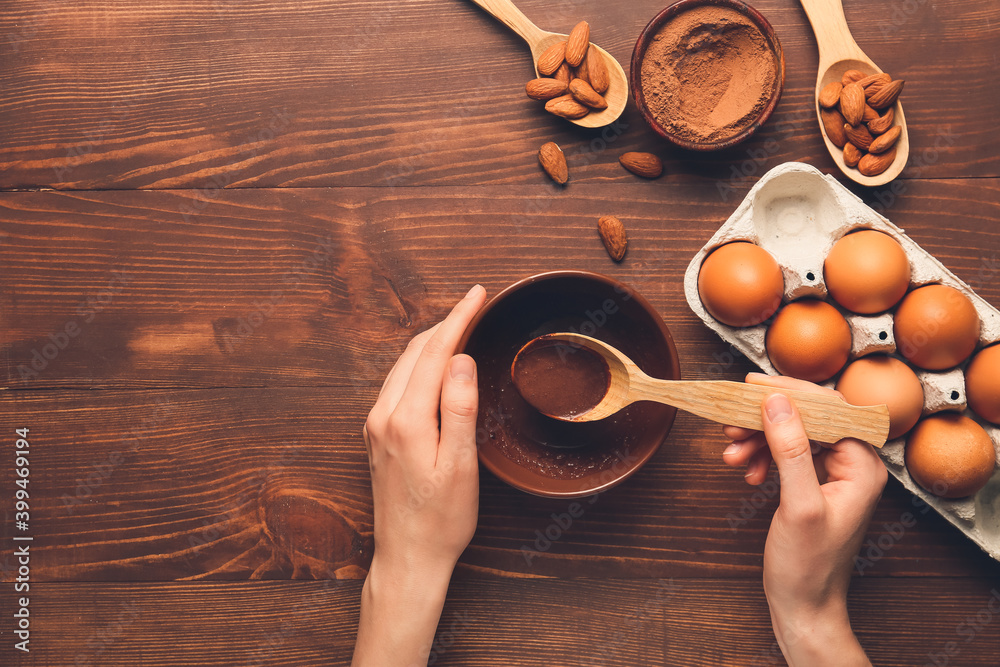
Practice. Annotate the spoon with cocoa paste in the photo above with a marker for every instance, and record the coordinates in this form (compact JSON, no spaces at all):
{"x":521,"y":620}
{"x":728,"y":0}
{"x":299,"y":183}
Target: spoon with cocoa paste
{"x":539,"y":41}
{"x":838,"y":54}
{"x":577,"y":378}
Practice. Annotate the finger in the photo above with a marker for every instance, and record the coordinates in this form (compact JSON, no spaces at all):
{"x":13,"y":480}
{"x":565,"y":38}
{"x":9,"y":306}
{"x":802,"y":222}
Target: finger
{"x":459,"y":407}
{"x":399,"y":375}
{"x":422,"y":394}
{"x":758,"y":466}
{"x":739,"y":452}
{"x":784,"y":382}
{"x":738,"y":432}
{"x":791,"y":450}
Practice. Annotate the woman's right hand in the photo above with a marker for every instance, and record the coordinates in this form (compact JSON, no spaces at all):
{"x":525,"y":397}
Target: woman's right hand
{"x":826,"y":503}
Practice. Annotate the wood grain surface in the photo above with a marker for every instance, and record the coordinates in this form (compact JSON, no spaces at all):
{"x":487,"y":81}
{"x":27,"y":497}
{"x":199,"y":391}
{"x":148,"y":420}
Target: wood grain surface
{"x":185,"y":94}
{"x":571,"y":623}
{"x":221,"y":222}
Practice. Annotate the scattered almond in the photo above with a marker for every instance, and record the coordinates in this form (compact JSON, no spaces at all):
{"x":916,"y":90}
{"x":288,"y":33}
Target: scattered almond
{"x":852,"y":103}
{"x":566,"y":107}
{"x":859,"y":136}
{"x":577,"y":43}
{"x":851,"y":75}
{"x":881,"y":78}
{"x":584,"y":94}
{"x":882,"y":123}
{"x":874,"y":164}
{"x":545,"y":89}
{"x":646,"y":165}
{"x":830,"y":95}
{"x":887,"y":94}
{"x":612,"y":233}
{"x":852,"y":155}
{"x":597,"y":71}
{"x":553,"y":161}
{"x":884,"y":142}
{"x":552,"y":58}
{"x":870,"y":115}
{"x":833,"y":123}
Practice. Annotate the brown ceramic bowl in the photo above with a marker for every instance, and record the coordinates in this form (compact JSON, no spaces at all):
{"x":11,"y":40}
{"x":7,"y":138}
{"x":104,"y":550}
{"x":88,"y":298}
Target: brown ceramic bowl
{"x":545,"y":456}
{"x":639,"y":53}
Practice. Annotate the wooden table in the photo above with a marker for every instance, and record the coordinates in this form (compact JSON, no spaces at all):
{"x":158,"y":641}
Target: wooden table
{"x":221,"y":221}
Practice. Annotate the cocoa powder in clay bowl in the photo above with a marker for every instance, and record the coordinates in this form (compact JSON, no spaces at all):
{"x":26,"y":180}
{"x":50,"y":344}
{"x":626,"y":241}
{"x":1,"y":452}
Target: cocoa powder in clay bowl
{"x":545,"y":456}
{"x":706,"y":74}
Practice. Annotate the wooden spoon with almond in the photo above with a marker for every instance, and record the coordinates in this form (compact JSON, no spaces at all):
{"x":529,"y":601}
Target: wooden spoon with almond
{"x":838,"y":53}
{"x":540,"y":41}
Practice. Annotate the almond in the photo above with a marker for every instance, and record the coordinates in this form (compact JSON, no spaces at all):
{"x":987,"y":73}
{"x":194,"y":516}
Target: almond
{"x":563,"y":74}
{"x":545,"y":89}
{"x":859,"y":136}
{"x":566,"y":107}
{"x":885,"y":141}
{"x":833,"y":123}
{"x":581,"y":71}
{"x":597,"y":71}
{"x":584,"y":94}
{"x":870,"y":114}
{"x":577,"y":43}
{"x":612,"y":232}
{"x":553,"y":161}
{"x":646,"y":165}
{"x":852,"y":155}
{"x":851,"y":75}
{"x":552,"y":58}
{"x":887,"y":94}
{"x":882,"y":123}
{"x":882,"y":78}
{"x":830,"y":95}
{"x":852,"y":103}
{"x":874,"y":164}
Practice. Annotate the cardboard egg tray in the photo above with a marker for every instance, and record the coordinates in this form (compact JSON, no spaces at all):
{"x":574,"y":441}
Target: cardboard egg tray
{"x":797,"y":214}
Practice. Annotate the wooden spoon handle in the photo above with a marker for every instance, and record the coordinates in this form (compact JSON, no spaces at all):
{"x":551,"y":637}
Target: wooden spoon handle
{"x":826,"y":418}
{"x":832,"y":34}
{"x":505,"y":11}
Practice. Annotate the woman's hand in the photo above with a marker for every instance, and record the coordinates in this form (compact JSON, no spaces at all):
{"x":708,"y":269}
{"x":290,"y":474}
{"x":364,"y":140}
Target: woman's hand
{"x":827,"y":498}
{"x":421,"y":440}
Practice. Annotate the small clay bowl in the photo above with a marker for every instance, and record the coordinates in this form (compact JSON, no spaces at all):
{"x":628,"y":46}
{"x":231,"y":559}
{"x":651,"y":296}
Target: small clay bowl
{"x":552,"y":458}
{"x":661,"y":19}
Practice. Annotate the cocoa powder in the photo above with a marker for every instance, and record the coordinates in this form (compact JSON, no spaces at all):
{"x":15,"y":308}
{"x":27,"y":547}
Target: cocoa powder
{"x":707,"y":74}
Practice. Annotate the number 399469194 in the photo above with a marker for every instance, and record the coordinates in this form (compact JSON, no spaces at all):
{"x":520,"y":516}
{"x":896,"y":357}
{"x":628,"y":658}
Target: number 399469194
{"x":22,"y":473}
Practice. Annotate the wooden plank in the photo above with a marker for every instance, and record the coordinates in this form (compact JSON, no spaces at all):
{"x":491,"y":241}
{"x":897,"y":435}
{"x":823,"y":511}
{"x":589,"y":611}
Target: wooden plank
{"x":292,"y":287}
{"x":185,"y":94}
{"x":571,"y":623}
{"x":231,"y":483}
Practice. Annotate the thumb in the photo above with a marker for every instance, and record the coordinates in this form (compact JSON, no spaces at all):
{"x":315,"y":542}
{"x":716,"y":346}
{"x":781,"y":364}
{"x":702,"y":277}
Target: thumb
{"x":459,"y":408}
{"x":790,"y":449}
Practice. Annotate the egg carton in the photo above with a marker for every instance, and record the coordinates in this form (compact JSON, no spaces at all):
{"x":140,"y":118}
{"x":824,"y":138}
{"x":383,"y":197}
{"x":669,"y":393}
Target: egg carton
{"x":797,"y":214}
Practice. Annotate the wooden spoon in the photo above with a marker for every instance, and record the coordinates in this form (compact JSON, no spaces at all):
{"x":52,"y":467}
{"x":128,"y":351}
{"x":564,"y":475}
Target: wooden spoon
{"x":826,"y":418}
{"x":838,"y":52}
{"x":539,"y":40}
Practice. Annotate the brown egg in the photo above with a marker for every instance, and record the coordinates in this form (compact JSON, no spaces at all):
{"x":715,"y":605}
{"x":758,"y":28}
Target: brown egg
{"x":809,"y":339}
{"x":950,"y":455}
{"x":982,"y":384}
{"x":740,"y":284}
{"x":867,"y":272}
{"x":880,"y":379}
{"x":936,"y":327}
